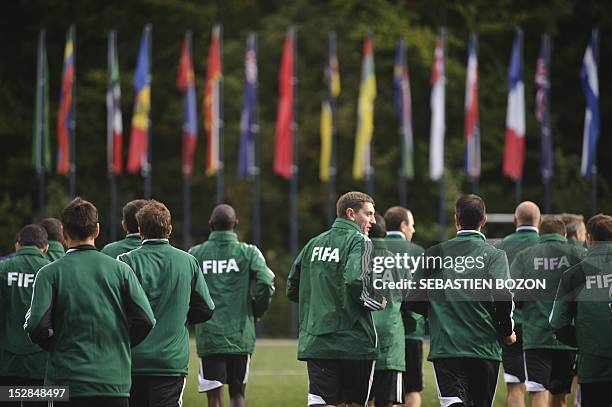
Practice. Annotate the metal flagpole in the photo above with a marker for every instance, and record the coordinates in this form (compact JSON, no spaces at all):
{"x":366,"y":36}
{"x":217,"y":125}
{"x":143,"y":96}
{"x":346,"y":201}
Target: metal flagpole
{"x":220,"y":180}
{"x":402,"y":176}
{"x":41,"y":82}
{"x":442,"y":213}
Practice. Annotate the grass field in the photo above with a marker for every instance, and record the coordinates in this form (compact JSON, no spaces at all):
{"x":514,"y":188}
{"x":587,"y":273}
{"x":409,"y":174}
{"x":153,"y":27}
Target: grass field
{"x":277,"y":378}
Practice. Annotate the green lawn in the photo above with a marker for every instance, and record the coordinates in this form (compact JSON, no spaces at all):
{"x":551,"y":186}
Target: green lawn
{"x":277,"y":378}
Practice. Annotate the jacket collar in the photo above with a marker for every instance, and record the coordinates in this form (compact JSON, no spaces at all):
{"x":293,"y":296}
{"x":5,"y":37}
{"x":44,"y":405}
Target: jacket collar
{"x":552,"y":237}
{"x":155,"y":241}
{"x":29,"y":251}
{"x":56,"y":246}
{"x":395,"y":235}
{"x":83,"y":247}
{"x":342,"y":223}
{"x":223,"y":235}
{"x":527,"y":229}
{"x":133,"y":236}
{"x":470,"y":234}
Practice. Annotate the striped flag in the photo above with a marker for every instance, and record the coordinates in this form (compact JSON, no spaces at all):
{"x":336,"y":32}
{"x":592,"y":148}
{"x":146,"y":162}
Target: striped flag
{"x":114,"y":122}
{"x":212,"y":103}
{"x":283,"y":150}
{"x":590,"y":88}
{"x":542,"y":108}
{"x":362,"y":164}
{"x":514,"y":150}
{"x":327,"y":166}
{"x":472,"y":118}
{"x":403,"y":108}
{"x":438,"y":126}
{"x":41,"y":152}
{"x":248,"y":120}
{"x":185,"y":83}
{"x":65,"y":115}
{"x":138,"y":157}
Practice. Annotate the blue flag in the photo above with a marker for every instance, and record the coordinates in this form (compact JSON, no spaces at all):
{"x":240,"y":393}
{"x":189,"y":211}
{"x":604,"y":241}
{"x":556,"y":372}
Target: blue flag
{"x":248,"y":125}
{"x":542,"y":108}
{"x":590,"y":87}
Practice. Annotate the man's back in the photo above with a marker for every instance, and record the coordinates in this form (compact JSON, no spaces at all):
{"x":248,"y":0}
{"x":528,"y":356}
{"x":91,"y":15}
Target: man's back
{"x":168,"y":276}
{"x":130,"y":242}
{"x":93,"y":306}
{"x":18,"y":356}
{"x":329,"y":282}
{"x":229,"y":267}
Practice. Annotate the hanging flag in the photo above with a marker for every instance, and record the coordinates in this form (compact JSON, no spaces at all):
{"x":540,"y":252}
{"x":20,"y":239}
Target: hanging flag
{"x":212,"y":103}
{"x":362,"y":164}
{"x":472,"y":118}
{"x":283,"y":151}
{"x":41,"y":153}
{"x":185,"y":83}
{"x":403,"y":108}
{"x":542,"y":108}
{"x":138,"y":157}
{"x":65,"y":115}
{"x":332,"y":80}
{"x":436,"y":137}
{"x":114,"y":122}
{"x":248,"y":131}
{"x":590,"y":88}
{"x":514,"y":150}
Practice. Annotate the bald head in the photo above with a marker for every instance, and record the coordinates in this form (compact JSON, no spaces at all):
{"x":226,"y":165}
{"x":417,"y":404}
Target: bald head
{"x":223,"y":217}
{"x":527,"y":214}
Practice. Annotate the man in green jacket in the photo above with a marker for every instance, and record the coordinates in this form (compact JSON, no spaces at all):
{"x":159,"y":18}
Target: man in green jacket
{"x":331,"y":281}
{"x":467,"y":317}
{"x":575,"y":229}
{"x":387,"y":386}
{"x":21,"y":362}
{"x":581,"y":314}
{"x":400,"y":230}
{"x":130,"y":225}
{"x":548,"y":362}
{"x":173,"y":282}
{"x":55,"y":237}
{"x":226,"y":342}
{"x":527,"y":219}
{"x":87,"y":310}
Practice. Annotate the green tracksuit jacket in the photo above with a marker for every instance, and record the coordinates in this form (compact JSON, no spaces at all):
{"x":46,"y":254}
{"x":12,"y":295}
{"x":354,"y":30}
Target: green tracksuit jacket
{"x":581,"y":315}
{"x":56,"y":250}
{"x":18,"y":355}
{"x":132,"y":241}
{"x":523,"y":237}
{"x":547,"y":260}
{"x":464,"y":322}
{"x":414,"y":324}
{"x":178,"y":295}
{"x":230,"y":267}
{"x":389,"y":325}
{"x":331,"y":281}
{"x":87,"y":310}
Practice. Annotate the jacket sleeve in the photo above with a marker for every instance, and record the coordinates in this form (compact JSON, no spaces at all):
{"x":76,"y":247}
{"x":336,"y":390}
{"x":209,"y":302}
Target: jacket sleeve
{"x":137,"y":308}
{"x":201,"y":305}
{"x":264,"y":282}
{"x":564,"y":311}
{"x":358,"y":275}
{"x":502,"y":298}
{"x":38,"y":319}
{"x":293,"y":280}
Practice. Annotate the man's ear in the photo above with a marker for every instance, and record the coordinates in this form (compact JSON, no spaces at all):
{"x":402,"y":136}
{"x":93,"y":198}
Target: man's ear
{"x":97,"y":231}
{"x":17,"y":246}
{"x":45,"y":249}
{"x":170,"y":232}
{"x":484,"y":222}
{"x":124,"y":226}
{"x":350,"y":214}
{"x":457,"y":225}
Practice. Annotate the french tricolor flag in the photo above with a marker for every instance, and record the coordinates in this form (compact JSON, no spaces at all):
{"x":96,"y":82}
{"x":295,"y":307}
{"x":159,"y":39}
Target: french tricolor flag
{"x":514,"y":150}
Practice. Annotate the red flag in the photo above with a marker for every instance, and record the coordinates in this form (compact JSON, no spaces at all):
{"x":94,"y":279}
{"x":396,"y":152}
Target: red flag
{"x":283,"y":157}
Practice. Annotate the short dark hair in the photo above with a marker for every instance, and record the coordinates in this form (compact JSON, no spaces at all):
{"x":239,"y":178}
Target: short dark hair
{"x":572,"y":222}
{"x":395,"y":216}
{"x":470,"y":211}
{"x":32,"y":235}
{"x":599,"y":228}
{"x":379,"y":229}
{"x":223,"y":217}
{"x":154,"y":220}
{"x":129,"y":214}
{"x":80,"y":219}
{"x":353,"y":200}
{"x":552,"y":224}
{"x":53,"y":226}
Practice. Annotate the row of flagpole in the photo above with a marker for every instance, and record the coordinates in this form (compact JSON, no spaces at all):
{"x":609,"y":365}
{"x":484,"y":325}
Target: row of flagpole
{"x":285,"y":158}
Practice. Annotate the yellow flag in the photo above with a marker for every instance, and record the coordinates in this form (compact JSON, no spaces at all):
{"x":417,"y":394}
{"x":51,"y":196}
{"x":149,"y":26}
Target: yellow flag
{"x":326,"y":141}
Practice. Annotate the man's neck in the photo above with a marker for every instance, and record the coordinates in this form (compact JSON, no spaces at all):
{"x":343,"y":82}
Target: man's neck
{"x":86,"y":242}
